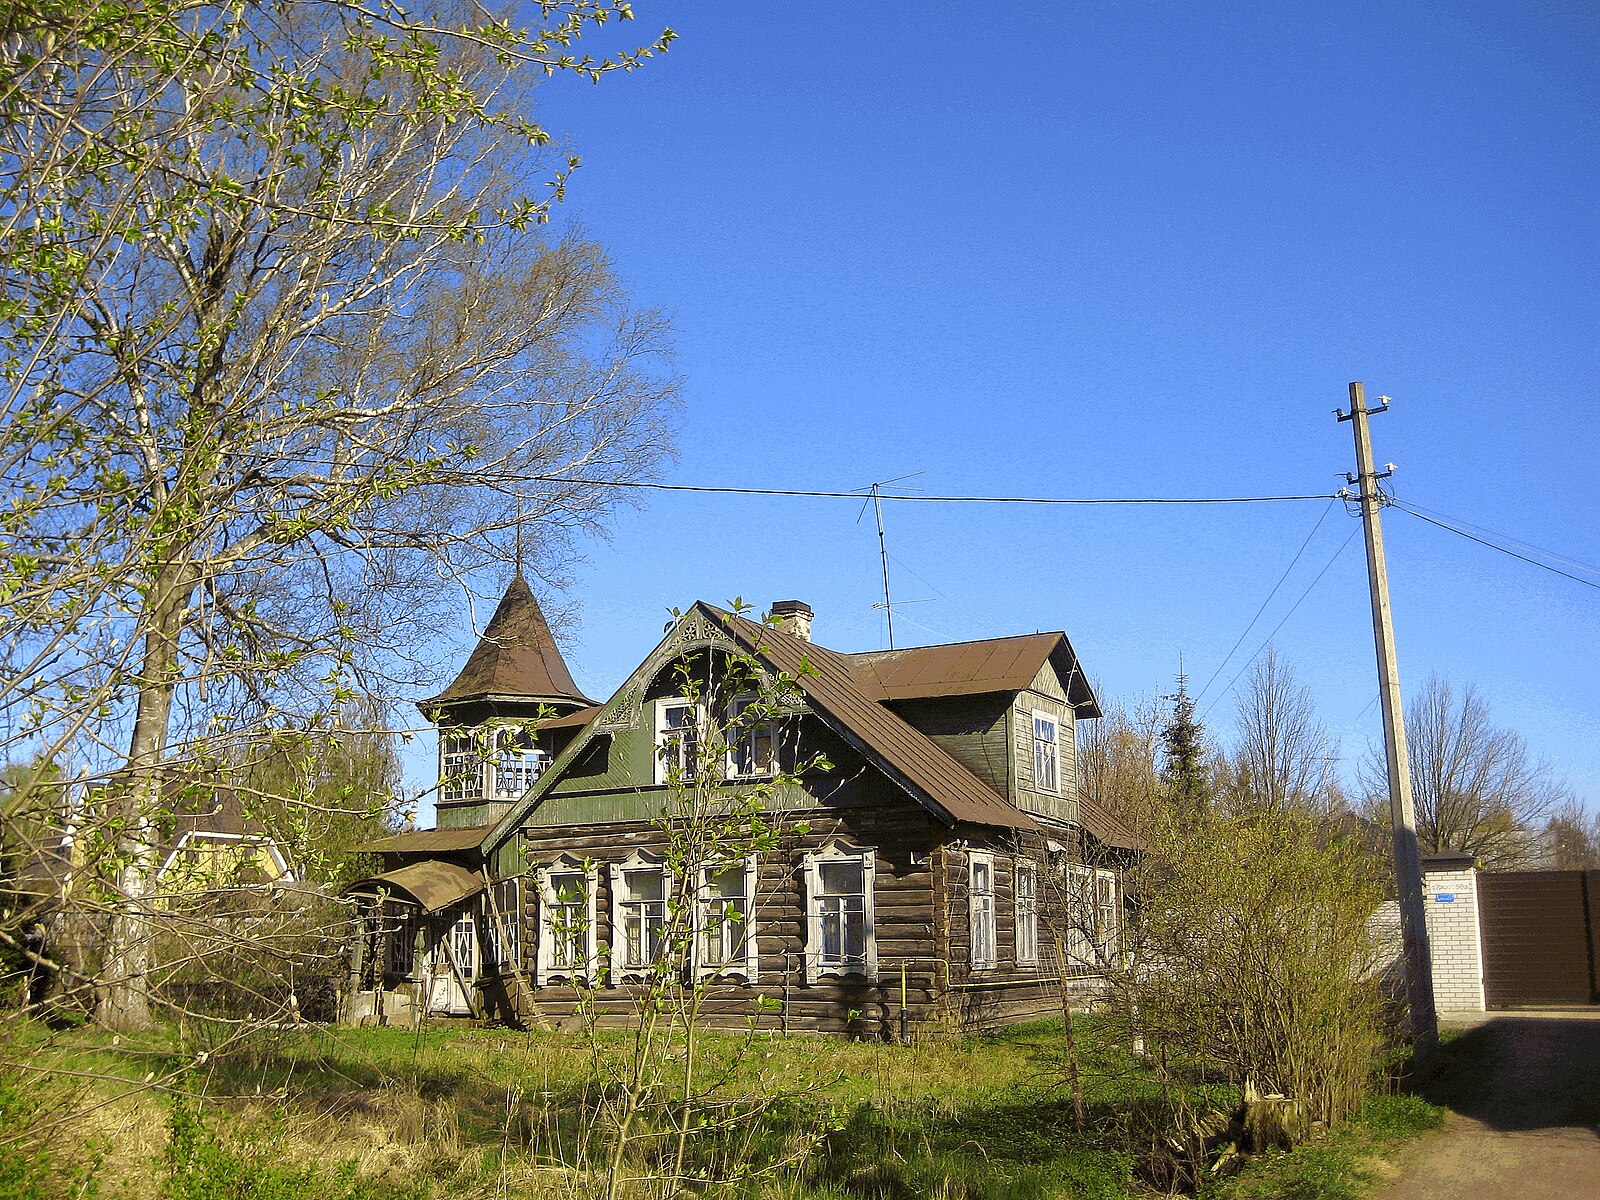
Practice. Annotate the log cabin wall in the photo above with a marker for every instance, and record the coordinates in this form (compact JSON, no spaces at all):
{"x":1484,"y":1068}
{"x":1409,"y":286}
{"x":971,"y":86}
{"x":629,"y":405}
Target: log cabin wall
{"x":903,"y":839}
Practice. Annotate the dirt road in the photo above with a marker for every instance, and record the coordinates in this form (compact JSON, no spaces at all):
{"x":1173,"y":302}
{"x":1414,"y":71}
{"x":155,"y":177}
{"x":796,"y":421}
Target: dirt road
{"x":1525,"y":1122}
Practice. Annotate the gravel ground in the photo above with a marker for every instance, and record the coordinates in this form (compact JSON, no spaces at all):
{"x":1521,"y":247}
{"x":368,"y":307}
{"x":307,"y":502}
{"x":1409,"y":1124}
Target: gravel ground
{"x":1525,"y":1122}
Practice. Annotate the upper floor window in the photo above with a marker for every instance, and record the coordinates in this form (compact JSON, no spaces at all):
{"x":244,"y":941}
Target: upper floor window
{"x":1026,"y":888}
{"x":677,"y":739}
{"x":752,"y":744}
{"x":1046,"y":753}
{"x":567,"y":947}
{"x":516,"y":766}
{"x":639,"y":891}
{"x":461,"y":767}
{"x":840,"y":934}
{"x":980,"y":908}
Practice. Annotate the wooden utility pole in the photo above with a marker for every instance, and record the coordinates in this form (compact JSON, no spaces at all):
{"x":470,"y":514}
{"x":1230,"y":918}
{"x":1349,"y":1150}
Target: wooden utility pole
{"x":1403,"y":813}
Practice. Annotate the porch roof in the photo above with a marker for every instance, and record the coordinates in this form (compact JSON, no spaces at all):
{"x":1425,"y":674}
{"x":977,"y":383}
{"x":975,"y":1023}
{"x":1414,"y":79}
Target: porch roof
{"x":433,"y":883}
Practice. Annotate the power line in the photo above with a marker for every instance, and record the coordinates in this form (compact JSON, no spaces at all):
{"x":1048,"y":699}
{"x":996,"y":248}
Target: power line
{"x":1472,"y":537}
{"x":857,"y":494}
{"x":1414,"y":508}
{"x":1309,"y":588}
{"x":1266,"y":602}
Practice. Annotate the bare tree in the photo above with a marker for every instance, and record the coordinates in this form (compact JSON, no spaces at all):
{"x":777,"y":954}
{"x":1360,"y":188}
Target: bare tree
{"x":1282,"y":757}
{"x":1475,"y":785}
{"x":286,"y":357}
{"x":1118,"y":762}
{"x":1571,"y":838}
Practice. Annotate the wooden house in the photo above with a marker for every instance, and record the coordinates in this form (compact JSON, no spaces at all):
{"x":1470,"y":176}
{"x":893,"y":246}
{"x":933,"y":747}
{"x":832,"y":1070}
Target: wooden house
{"x":943,"y":867}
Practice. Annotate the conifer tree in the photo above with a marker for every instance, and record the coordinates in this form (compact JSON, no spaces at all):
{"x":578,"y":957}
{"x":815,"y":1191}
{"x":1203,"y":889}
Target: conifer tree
{"x":1184,"y":769}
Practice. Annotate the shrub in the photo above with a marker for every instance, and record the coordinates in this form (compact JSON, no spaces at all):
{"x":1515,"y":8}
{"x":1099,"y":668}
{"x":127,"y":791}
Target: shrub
{"x":1253,"y":963}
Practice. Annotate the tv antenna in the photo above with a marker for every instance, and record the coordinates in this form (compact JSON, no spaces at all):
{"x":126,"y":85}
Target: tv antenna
{"x":875,"y":499}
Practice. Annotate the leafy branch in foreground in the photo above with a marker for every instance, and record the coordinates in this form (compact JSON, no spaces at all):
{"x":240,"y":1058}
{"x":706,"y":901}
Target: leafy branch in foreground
{"x":282,"y":355}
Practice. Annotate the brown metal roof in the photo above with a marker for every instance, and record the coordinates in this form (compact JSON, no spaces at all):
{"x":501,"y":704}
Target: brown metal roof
{"x":1107,"y":828}
{"x":428,"y":841}
{"x":927,"y":771}
{"x":516,"y":659}
{"x":433,"y":884}
{"x":1007,"y":664}
{"x":572,"y":720}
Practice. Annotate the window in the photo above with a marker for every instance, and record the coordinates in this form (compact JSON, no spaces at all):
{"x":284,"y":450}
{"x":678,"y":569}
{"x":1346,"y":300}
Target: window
{"x":752,"y":744}
{"x":516,"y":766}
{"x":567,"y":948}
{"x":400,"y":932}
{"x":980,"y":908}
{"x":1026,"y":881}
{"x":1046,"y":753}
{"x":677,"y":739}
{"x":1107,"y":915}
{"x":840,"y":938}
{"x":502,"y":920}
{"x":639,"y":890}
{"x":1094,"y":908}
{"x":726,"y":920}
{"x":1079,"y":884}
{"x":461,"y":767}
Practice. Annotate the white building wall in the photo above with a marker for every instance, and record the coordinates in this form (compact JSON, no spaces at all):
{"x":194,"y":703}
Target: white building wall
{"x":1451,"y":899}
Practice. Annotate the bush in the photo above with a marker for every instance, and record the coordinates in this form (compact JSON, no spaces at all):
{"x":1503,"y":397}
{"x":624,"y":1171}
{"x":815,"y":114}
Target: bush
{"x":1253,"y":964}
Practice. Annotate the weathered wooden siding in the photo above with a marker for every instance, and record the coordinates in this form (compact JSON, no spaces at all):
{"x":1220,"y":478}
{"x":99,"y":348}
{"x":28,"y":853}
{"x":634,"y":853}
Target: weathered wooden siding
{"x":971,"y":728}
{"x":1009,"y":991}
{"x":904,"y":840}
{"x":1045,"y":695}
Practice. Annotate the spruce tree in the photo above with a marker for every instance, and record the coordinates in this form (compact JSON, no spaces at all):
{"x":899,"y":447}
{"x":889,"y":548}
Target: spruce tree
{"x":1188,"y":783}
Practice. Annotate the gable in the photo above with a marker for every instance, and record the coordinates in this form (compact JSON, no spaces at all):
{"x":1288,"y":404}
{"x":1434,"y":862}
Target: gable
{"x":831,"y":693}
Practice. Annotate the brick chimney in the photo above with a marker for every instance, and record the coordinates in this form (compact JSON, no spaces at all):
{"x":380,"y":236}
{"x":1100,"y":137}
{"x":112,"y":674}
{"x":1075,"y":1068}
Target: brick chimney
{"x":793,"y":616}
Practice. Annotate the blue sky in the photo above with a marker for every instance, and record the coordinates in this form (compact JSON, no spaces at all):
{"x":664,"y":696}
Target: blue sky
{"x":1096,"y":249}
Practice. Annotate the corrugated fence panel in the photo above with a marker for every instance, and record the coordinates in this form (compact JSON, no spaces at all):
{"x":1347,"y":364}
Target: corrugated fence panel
{"x":1536,"y":939}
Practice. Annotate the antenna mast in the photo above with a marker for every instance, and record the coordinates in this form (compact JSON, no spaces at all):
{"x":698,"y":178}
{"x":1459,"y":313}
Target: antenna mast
{"x":883,"y":553}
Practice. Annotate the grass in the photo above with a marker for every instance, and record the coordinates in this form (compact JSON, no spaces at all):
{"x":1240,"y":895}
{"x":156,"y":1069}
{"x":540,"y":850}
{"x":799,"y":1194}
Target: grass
{"x":352,"y":1114}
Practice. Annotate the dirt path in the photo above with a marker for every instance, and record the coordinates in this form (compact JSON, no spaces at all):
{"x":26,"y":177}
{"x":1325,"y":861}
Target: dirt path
{"x":1525,"y":1122}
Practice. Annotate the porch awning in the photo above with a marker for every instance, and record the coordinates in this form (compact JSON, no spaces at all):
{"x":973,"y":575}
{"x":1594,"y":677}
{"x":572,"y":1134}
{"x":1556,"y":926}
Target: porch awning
{"x":432,"y":883}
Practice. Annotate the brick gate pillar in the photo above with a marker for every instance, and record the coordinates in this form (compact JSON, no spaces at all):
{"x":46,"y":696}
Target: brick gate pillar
{"x":1450,"y":892}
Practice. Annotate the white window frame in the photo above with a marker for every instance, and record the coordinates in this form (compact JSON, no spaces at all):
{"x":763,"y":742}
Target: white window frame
{"x":1026,"y":902}
{"x":1047,"y":751}
{"x":546,"y":969}
{"x":737,"y":736}
{"x":670,"y":750}
{"x":622,"y":965}
{"x":1078,"y":883}
{"x":816,"y":967}
{"x":982,"y":951}
{"x":461,"y":765}
{"x":1107,"y":902}
{"x":746,"y":964}
{"x":528,"y":763}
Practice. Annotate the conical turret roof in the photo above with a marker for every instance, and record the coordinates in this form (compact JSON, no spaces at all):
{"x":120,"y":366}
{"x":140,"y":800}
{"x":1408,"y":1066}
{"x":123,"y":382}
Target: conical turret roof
{"x":516,"y":659}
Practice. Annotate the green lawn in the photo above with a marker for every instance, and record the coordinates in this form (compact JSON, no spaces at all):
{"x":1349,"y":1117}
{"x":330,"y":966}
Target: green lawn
{"x":357,"y":1114}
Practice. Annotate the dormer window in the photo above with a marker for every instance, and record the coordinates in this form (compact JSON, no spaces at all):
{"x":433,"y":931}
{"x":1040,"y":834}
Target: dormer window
{"x":752,"y":742}
{"x":677,"y":739}
{"x":1046,"y":753}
